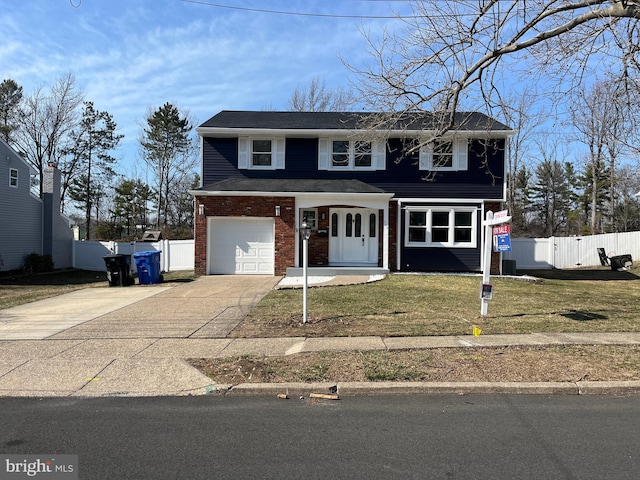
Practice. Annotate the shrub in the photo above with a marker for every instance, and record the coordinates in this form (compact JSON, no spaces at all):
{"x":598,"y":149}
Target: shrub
{"x":37,"y":263}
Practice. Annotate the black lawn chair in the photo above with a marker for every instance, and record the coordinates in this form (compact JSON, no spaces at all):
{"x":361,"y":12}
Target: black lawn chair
{"x":604,"y":260}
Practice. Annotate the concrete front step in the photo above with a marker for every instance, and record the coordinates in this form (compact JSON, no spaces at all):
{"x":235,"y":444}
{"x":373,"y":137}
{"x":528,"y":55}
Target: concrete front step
{"x":336,"y":271}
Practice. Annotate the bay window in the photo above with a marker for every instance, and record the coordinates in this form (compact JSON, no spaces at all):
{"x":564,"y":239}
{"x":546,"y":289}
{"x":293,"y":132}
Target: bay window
{"x":441,"y":227}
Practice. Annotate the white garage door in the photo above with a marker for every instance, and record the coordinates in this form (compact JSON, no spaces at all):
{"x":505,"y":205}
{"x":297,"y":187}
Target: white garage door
{"x":241,"y":245}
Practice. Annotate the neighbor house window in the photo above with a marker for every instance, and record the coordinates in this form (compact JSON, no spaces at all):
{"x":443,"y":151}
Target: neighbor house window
{"x":445,"y":155}
{"x":343,"y":154}
{"x":441,"y":227}
{"x":13,"y":177}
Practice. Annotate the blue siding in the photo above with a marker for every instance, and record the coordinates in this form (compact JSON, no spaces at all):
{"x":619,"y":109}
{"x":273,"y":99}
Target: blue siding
{"x":401,"y":177}
{"x":440,"y":260}
{"x":220,"y":159}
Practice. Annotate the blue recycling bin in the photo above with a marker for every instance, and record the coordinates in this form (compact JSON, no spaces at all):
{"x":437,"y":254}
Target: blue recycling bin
{"x":148,"y":266}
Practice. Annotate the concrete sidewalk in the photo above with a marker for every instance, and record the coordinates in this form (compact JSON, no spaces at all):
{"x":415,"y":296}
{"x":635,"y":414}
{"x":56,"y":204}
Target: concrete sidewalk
{"x":134,"y":341}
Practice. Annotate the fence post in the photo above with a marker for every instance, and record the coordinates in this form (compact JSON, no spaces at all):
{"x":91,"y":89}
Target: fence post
{"x":166,"y":247}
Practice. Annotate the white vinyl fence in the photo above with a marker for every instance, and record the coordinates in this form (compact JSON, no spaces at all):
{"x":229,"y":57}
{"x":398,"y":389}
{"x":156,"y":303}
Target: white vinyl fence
{"x":529,"y":253}
{"x":571,"y":252}
{"x":175,"y":254}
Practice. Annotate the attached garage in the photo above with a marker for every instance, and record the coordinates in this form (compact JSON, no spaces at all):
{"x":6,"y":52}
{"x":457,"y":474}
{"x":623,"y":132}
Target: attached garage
{"x":240,"y":245}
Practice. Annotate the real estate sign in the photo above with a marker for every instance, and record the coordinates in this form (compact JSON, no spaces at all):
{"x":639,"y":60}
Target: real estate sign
{"x":502,"y":238}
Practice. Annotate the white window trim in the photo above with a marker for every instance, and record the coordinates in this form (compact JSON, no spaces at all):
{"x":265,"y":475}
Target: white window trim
{"x":13,"y":177}
{"x":311,"y":219}
{"x":245,"y":153}
{"x":428,"y":227}
{"x":460,"y":160}
{"x":378,"y":155}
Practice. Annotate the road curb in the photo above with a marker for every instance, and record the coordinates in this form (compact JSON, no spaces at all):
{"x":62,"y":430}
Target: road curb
{"x":432,"y":388}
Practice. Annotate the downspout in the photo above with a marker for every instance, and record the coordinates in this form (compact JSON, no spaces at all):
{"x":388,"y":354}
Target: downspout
{"x":505,"y":188}
{"x":42,"y":214}
{"x":398,"y":235}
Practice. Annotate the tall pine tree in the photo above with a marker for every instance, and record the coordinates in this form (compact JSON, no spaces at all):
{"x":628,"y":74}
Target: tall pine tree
{"x":10,"y":98}
{"x":89,"y":152}
{"x":169,"y":152}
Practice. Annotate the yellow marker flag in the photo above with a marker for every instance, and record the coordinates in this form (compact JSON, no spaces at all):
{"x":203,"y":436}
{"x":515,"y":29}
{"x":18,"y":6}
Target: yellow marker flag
{"x":476,"y":331}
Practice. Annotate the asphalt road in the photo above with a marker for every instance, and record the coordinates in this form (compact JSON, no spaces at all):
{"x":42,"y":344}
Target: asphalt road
{"x":384,"y":437}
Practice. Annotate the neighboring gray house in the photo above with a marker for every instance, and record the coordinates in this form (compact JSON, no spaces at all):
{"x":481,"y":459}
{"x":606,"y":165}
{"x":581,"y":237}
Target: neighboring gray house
{"x":27,"y":223}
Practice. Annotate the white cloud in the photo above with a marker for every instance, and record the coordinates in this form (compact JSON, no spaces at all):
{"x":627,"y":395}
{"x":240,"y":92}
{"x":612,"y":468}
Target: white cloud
{"x":129,"y":56}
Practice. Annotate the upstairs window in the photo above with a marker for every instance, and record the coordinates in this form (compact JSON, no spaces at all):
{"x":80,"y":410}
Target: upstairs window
{"x":445,"y":155}
{"x":261,"y":153}
{"x":442,"y":155}
{"x":350,"y":154}
{"x":13,"y":177}
{"x":362,"y":154}
{"x":341,"y":154}
{"x":441,"y":227}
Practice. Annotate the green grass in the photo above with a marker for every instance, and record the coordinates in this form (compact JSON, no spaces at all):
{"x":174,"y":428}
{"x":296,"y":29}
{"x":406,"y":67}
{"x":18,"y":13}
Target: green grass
{"x":596,"y":300}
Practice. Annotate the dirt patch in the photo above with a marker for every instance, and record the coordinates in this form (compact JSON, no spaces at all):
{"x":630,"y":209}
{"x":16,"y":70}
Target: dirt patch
{"x":504,"y":364}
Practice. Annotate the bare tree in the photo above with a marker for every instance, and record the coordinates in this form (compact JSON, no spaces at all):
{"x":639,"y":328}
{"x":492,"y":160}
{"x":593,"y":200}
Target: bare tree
{"x":454,"y":53}
{"x":600,"y":118}
{"x":316,"y":97}
{"x":46,"y":120}
{"x":627,"y":209}
{"x":519,"y":114}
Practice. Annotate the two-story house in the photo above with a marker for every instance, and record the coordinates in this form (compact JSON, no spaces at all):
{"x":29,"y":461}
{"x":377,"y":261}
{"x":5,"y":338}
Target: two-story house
{"x":29,"y":224}
{"x":377,"y":200}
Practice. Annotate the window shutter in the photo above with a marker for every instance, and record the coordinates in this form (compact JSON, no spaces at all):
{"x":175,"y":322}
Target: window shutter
{"x":379,"y":154}
{"x":323,"y":153}
{"x":243,"y":152}
{"x":461,"y":154}
{"x":426,"y":156}
{"x":279,"y":153}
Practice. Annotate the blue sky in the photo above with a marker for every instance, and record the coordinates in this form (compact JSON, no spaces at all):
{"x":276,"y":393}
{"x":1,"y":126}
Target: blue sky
{"x":130,"y":55}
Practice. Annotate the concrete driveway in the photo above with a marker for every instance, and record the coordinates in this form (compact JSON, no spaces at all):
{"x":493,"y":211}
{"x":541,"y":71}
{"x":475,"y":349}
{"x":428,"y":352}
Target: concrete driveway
{"x":209,"y":307}
{"x":125,"y":340}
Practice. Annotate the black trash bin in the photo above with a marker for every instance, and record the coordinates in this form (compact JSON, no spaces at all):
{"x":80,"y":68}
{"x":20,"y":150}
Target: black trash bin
{"x":118,"y":270}
{"x":621,"y":261}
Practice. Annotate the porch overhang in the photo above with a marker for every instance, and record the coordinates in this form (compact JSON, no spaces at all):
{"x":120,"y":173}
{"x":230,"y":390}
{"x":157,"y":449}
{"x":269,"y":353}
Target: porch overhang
{"x":319,"y":191}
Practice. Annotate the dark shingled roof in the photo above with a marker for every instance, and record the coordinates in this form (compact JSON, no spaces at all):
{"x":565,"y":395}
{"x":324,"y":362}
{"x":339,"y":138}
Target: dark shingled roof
{"x":343,"y":120}
{"x":289,"y":185}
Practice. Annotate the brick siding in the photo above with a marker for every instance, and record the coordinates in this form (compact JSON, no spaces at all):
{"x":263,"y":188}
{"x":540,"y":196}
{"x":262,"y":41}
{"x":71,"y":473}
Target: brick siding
{"x":285,"y":230}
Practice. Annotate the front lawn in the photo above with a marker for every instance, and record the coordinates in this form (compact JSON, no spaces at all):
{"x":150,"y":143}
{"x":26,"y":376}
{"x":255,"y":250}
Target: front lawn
{"x":587,"y":300}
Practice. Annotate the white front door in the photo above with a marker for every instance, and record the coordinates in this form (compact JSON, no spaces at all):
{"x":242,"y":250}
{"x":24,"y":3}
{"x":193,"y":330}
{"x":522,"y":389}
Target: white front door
{"x":353,"y":236}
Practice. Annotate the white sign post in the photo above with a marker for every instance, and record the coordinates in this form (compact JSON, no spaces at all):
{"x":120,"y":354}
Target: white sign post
{"x":486,"y":290}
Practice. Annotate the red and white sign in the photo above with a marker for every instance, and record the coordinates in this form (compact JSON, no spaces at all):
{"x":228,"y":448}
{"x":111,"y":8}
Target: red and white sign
{"x":502,"y":230}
